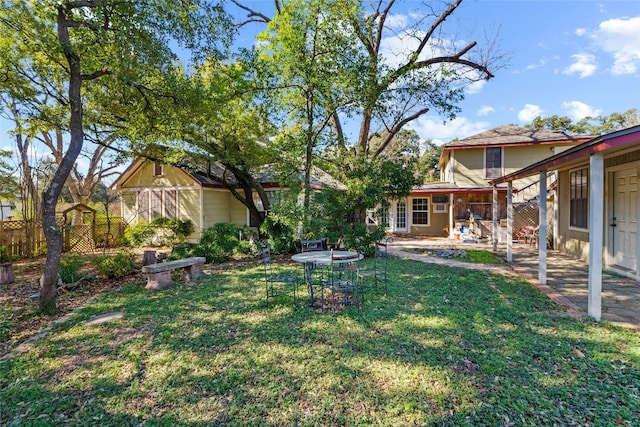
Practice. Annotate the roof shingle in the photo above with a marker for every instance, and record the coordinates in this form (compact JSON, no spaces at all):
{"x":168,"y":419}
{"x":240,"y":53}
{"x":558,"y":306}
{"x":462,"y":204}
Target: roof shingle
{"x":505,"y":135}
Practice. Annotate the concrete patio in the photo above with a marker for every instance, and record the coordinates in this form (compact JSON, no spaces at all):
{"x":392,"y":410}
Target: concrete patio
{"x":567,"y":277}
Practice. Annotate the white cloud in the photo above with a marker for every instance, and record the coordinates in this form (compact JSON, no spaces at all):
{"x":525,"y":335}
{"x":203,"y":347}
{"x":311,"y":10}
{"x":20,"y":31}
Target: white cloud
{"x":577,"y":110}
{"x":475,"y":87}
{"x":397,"y":21}
{"x":585,"y":65}
{"x":621,"y":39}
{"x":529,"y":112}
{"x":434,"y":129}
{"x":485,"y":110}
{"x":580,"y":32}
{"x":540,"y":63}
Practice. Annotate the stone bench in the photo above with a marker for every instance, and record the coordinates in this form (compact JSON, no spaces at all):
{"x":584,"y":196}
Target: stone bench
{"x":159,"y":275}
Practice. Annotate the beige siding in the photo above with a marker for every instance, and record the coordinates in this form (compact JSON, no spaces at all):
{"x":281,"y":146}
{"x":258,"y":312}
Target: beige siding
{"x":189,"y":208}
{"x":237,"y":211}
{"x":216,"y":207}
{"x":172,"y":177}
{"x":516,"y":158}
{"x":438,"y":221}
{"x":469,"y":168}
{"x":221,"y":206}
{"x":128,"y":201}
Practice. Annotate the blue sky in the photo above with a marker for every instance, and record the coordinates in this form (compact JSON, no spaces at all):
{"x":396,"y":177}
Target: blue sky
{"x":567,"y":58}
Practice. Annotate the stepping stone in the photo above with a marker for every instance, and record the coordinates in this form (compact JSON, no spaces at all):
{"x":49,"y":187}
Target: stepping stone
{"x":103,"y":318}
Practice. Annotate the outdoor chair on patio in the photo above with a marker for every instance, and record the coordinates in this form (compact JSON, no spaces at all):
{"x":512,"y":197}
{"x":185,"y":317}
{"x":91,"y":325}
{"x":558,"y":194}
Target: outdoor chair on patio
{"x":312,"y":245}
{"x":529,"y":234}
{"x":343,"y":282}
{"x":277,"y":284}
{"x":376,"y":273}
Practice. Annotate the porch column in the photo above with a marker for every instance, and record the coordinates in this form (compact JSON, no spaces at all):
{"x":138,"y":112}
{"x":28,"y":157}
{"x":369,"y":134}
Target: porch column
{"x":494,"y":214}
{"x":509,"y":221}
{"x":451,"y":208}
{"x":542,"y":231}
{"x":596,"y":226}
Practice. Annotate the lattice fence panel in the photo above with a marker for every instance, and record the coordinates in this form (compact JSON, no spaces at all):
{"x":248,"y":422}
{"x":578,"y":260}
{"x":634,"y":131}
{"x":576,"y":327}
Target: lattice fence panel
{"x":23,"y":238}
{"x":525,"y":214}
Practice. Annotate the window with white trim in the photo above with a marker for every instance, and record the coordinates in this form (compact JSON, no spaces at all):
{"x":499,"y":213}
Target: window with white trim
{"x":579,"y":198}
{"x":420,"y":211}
{"x":493,"y":162}
{"x":440,"y":207}
{"x":378,"y":216}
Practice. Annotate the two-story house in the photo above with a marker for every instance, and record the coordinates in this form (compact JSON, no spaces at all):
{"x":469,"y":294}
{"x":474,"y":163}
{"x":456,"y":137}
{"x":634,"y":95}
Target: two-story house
{"x":464,"y":192}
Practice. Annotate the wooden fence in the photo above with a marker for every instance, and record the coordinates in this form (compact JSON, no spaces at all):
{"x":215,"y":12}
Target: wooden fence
{"x":26,"y":238}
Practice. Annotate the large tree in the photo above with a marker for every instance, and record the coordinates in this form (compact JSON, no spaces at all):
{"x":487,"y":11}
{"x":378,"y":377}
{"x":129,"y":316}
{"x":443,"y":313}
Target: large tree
{"x":377,"y":90}
{"x":103,"y":45}
{"x":588,"y":125}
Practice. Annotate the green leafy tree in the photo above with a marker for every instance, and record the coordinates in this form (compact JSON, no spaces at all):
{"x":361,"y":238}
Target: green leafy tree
{"x":8,"y":181}
{"x":223,"y":132}
{"x":428,"y":162}
{"x":589,"y":125}
{"x":306,"y":56}
{"x":380,"y":91}
{"x":119,"y":49}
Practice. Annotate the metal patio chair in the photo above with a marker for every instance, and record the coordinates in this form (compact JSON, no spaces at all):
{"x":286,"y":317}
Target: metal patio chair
{"x":343,"y":282}
{"x":376,"y":272}
{"x":277,"y":284}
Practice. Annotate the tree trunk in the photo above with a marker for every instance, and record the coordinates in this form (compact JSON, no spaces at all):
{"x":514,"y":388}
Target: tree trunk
{"x":52,"y":233}
{"x":6,"y":273}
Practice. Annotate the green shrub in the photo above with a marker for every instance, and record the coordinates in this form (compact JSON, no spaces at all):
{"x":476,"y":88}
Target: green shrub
{"x":182,"y":228}
{"x":280,"y":233}
{"x":70,"y":267}
{"x":115,"y":266}
{"x":183,"y":250}
{"x":137,"y":234}
{"x":222,"y":240}
{"x":5,"y":254}
{"x":360,"y":236}
{"x":160,"y":232}
{"x":40,"y":250}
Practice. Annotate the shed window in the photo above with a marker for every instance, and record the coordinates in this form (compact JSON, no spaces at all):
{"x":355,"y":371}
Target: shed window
{"x":157,"y":169}
{"x":155,"y":203}
{"x":579,"y":198}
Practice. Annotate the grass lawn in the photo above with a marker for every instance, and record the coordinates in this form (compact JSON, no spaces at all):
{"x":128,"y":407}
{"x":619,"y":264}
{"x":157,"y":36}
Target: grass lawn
{"x":446,"y":346}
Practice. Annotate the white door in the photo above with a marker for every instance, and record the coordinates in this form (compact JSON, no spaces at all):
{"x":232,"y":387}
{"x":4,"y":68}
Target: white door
{"x":625,"y":218}
{"x":401,"y":216}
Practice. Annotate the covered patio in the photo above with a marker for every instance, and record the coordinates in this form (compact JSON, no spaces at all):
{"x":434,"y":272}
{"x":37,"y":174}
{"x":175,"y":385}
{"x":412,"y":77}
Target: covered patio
{"x":601,"y":226}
